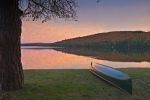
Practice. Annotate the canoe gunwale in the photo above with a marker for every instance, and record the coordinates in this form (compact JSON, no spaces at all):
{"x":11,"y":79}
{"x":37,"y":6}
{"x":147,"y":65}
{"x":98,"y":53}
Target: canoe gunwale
{"x":126,"y":77}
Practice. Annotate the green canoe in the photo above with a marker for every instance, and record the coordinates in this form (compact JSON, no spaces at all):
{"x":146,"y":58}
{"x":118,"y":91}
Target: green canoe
{"x":112,"y":76}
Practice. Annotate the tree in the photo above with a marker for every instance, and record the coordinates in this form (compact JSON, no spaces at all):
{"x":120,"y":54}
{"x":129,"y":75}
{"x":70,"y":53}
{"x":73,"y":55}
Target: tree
{"x":11,"y":71}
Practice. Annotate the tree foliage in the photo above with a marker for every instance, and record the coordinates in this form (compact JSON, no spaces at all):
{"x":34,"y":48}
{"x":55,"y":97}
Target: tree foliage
{"x":47,"y":9}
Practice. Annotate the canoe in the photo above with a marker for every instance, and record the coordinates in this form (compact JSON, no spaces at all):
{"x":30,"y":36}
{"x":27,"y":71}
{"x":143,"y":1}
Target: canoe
{"x":112,"y":76}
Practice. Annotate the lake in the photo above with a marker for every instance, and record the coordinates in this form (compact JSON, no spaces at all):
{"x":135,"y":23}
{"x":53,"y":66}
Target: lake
{"x":55,"y":58}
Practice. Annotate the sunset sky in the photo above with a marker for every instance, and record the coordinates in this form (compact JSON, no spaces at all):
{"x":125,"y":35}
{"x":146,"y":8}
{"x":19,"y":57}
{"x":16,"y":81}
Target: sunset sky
{"x":93,"y":17}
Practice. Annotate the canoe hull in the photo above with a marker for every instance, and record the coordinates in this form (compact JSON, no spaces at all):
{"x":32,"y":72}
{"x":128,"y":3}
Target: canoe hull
{"x":123,"y":84}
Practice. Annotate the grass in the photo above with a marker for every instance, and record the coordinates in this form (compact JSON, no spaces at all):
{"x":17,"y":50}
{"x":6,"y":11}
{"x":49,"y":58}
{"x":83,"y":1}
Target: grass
{"x":79,"y":84}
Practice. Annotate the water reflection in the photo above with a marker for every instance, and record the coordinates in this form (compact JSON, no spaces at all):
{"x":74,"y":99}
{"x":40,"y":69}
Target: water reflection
{"x":46,"y":58}
{"x":111,"y":55}
{"x":51,"y":59}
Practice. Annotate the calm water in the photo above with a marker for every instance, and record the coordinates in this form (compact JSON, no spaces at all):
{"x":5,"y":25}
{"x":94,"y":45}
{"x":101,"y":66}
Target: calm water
{"x":47,"y":58}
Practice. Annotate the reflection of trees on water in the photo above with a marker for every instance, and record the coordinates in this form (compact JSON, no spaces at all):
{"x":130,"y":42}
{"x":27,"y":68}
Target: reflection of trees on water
{"x":112,"y":55}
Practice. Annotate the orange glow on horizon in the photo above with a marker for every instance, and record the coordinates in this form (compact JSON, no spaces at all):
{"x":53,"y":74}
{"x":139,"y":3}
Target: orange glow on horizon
{"x":56,"y":31}
{"x":51,"y":32}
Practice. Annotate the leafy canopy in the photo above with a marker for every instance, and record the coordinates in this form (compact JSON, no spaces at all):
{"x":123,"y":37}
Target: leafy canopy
{"x":47,"y":9}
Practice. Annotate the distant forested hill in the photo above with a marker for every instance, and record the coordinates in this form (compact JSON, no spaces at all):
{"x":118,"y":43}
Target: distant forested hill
{"x":119,"y":40}
{"x":36,"y":44}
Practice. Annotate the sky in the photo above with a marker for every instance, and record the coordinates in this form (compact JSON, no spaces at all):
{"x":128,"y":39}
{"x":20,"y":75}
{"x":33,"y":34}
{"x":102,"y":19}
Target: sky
{"x":93,"y":17}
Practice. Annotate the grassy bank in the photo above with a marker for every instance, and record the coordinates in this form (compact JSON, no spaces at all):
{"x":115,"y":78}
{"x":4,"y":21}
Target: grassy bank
{"x":77,"y":85}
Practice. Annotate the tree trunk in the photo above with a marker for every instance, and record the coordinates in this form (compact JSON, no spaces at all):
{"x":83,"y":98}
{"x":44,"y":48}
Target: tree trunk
{"x":11,"y":72}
